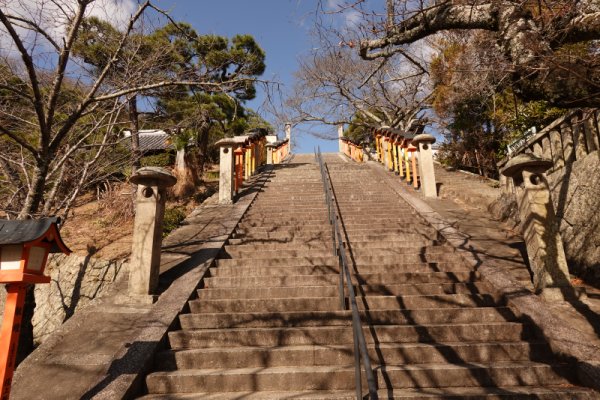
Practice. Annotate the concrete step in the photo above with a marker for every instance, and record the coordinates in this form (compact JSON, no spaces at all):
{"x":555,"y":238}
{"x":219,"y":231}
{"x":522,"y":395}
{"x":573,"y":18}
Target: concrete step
{"x":391,"y":257}
{"x":240,"y":268}
{"x":275,"y":262}
{"x":320,"y":227}
{"x":417,"y":277}
{"x":279,"y":246}
{"x":265,"y":305}
{"x":281,"y":237}
{"x":268,"y":292}
{"x":342,"y":377}
{"x":466,"y":393}
{"x":274,"y":270}
{"x":271,"y":281}
{"x":266,"y":222}
{"x":413,"y":302}
{"x":235,"y":253}
{"x":416,"y":246}
{"x":388,"y":353}
{"x":482,"y":332}
{"x":332,"y":290}
{"x":333,"y":317}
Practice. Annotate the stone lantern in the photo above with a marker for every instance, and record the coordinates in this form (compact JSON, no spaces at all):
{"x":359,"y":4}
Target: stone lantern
{"x":24,"y":249}
{"x":147,"y":230}
{"x":539,"y":226}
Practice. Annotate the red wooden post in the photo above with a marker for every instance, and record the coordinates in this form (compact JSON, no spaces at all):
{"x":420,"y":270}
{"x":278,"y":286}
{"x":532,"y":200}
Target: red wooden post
{"x":9,"y":335}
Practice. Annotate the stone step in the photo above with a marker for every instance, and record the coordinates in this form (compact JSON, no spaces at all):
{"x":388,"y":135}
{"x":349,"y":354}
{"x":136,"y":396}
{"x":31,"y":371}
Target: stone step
{"x":388,"y":353}
{"x":279,"y":246}
{"x":287,"y":318}
{"x":271,"y":270}
{"x":333,"y":290}
{"x":415,"y":245}
{"x":281,"y":237}
{"x":390,"y":234}
{"x":265,"y":305}
{"x":286,"y":207}
{"x":371,"y":302}
{"x":262,"y":230}
{"x":395,"y":230}
{"x":243,"y":255}
{"x":284,"y":268}
{"x":267,"y":222}
{"x":480,"y":332}
{"x":271,"y":281}
{"x":417,"y":277}
{"x":295,"y":261}
{"x":342,"y":377}
{"x":466,"y":393}
{"x":394,"y":257}
{"x":332,"y":279}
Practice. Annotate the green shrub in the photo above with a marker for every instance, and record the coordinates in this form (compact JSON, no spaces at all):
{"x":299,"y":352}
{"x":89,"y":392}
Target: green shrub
{"x":157,"y":160}
{"x":211,"y":175}
{"x":172,"y":219}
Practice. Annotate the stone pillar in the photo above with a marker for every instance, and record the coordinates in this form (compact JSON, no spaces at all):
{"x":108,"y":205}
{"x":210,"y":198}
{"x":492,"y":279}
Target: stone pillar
{"x":340,"y":136}
{"x":288,"y":135}
{"x":270,"y":149}
{"x":540,"y":226}
{"x":226,"y":170}
{"x":147,"y":230}
{"x":423,"y":143}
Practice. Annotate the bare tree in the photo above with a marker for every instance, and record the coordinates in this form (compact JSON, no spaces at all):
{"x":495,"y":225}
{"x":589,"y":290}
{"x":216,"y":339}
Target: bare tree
{"x":60,"y":95}
{"x":336,"y":87}
{"x":551,"y":46}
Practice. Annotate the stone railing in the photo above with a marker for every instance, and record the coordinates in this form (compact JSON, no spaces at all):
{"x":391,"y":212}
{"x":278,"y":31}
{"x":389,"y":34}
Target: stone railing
{"x":279,"y":151}
{"x":241,"y":156}
{"x":351,"y":149}
{"x":409,"y":156}
{"x":564,"y":141}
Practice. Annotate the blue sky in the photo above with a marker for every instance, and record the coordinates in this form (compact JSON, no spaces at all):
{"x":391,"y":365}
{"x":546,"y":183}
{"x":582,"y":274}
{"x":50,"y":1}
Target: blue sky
{"x":281,"y":27}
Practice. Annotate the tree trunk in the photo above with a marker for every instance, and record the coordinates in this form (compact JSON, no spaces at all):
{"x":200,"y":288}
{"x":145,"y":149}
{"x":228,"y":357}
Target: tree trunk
{"x":203,"y":146}
{"x":36,"y":193}
{"x":180,"y":164}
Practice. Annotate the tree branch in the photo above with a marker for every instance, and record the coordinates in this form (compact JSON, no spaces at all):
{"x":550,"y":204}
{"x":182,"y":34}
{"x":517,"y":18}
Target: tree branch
{"x":28,"y":62}
{"x":442,"y":17}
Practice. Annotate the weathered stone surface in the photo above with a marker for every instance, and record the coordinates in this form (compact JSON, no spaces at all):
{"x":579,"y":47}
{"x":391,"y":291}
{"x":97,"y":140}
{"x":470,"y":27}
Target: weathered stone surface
{"x":575,"y":194}
{"x":76,"y":282}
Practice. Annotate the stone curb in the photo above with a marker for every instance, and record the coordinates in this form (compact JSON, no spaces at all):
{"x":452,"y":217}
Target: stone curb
{"x":563,"y":340}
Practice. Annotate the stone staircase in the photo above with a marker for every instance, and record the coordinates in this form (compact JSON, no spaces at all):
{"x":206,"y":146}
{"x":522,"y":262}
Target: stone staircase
{"x":267,"y":322}
{"x":467,"y":189}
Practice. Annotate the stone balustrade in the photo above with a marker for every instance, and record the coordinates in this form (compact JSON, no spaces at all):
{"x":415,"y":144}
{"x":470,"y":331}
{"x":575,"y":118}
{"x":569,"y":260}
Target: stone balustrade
{"x":564,"y":141}
{"x":240,"y":157}
{"x":351,"y":149}
{"x":407,"y":155}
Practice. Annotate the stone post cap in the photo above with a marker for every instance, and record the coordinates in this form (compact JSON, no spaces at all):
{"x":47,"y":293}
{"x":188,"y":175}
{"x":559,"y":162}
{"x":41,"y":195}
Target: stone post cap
{"x":515,"y":165}
{"x":423,"y":138}
{"x":226,"y":142}
{"x":153,"y":176}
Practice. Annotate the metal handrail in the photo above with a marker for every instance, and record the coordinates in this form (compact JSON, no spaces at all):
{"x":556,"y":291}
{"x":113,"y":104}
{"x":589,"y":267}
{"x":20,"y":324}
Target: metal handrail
{"x":360,"y":344}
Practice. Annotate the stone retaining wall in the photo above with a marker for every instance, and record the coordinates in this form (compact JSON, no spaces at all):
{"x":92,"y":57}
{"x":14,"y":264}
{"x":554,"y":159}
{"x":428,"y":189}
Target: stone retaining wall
{"x":575,"y":190}
{"x":76,"y":282}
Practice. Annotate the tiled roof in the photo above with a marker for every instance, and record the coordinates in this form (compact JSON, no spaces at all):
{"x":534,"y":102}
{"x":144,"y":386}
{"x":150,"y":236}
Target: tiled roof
{"x":151,"y":140}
